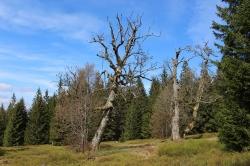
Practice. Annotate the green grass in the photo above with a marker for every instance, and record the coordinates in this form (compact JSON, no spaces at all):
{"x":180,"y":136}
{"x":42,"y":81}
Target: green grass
{"x":205,"y":151}
{"x":188,"y":147}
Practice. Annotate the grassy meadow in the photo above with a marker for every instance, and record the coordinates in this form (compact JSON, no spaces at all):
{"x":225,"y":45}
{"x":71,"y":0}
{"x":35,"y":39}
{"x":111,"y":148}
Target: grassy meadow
{"x":205,"y":151}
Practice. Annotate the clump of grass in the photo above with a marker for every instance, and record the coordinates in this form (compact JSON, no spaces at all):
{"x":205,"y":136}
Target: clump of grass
{"x":187,"y":147}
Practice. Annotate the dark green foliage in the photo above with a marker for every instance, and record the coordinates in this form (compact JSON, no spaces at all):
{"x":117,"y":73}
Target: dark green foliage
{"x":38,"y":123}
{"x":7,"y":132}
{"x":235,"y":32}
{"x":164,"y":77}
{"x":137,"y":121}
{"x":234,"y":73}
{"x":154,"y":92}
{"x":17,"y":119}
{"x":235,"y":131}
{"x":11,"y":106}
{"x":155,"y":89}
{"x":57,"y":130}
{"x":3,"y":122}
{"x":234,"y":86}
{"x":50,"y":105}
{"x":207,"y":119}
{"x":115,"y":126}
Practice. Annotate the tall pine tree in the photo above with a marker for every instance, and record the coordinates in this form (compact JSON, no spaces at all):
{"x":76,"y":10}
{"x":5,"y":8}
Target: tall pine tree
{"x":7,"y":132}
{"x":137,"y":121}
{"x":17,"y":119}
{"x":3,"y":121}
{"x":38,"y":123}
{"x":234,"y":73}
{"x":50,"y":104}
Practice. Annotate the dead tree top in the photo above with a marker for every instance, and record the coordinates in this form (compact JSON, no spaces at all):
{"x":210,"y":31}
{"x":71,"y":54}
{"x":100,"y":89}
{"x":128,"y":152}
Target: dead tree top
{"x":123,"y":50}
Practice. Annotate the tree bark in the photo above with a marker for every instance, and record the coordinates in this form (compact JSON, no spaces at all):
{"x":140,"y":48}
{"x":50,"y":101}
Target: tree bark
{"x":107,"y":108}
{"x":175,"y":119}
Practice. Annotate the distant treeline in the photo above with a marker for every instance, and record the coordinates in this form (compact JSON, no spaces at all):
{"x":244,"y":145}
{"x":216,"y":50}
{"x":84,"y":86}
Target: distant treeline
{"x":71,"y":113}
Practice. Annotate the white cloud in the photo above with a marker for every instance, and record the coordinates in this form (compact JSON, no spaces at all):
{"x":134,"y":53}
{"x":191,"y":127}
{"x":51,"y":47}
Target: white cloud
{"x":71,"y":25}
{"x":46,"y":60}
{"x":26,"y":78}
{"x":46,"y":83}
{"x":8,"y":52}
{"x":4,"y":100}
{"x":26,"y":86}
{"x":5,"y":87}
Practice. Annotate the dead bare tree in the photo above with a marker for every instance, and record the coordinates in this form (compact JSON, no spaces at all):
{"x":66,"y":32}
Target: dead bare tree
{"x":205,"y":53}
{"x":126,"y":59}
{"x":176,"y":61}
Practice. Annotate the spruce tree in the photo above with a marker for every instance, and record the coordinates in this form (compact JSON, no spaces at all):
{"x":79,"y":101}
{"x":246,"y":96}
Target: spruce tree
{"x":164,"y":77}
{"x":137,"y":121}
{"x":14,"y":133}
{"x":154,"y":92}
{"x":56,"y":132}
{"x":234,"y":73}
{"x":207,"y":119}
{"x":155,"y":89}
{"x":50,"y":104}
{"x":38,"y":123}
{"x":3,"y":121}
{"x":7,"y":133}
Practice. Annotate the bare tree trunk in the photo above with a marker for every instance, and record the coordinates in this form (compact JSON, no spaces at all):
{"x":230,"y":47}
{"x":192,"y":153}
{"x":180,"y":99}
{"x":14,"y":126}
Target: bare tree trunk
{"x":107,"y":108}
{"x":195,"y":109}
{"x":98,"y":135}
{"x":198,"y":98}
{"x":175,"y":119}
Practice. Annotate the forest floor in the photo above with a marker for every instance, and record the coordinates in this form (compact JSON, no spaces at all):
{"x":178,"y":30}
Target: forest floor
{"x":204,"y":151}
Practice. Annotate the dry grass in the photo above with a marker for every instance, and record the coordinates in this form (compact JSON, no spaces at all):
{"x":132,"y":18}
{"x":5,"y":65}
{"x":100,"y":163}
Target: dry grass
{"x":205,"y":151}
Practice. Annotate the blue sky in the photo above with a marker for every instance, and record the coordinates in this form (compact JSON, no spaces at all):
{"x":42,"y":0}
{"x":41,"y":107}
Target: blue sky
{"x":40,"y":38}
